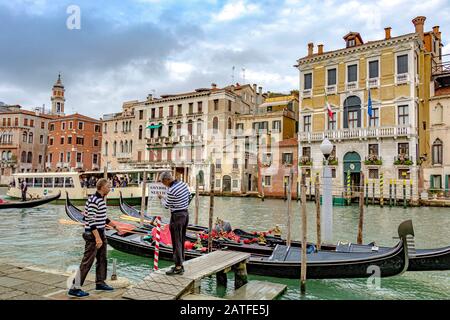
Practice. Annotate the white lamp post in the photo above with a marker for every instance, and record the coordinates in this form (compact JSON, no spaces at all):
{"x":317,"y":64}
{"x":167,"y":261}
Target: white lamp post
{"x":327,"y":198}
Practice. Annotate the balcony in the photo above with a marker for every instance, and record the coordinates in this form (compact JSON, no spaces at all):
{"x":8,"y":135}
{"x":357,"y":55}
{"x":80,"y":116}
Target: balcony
{"x":218,"y":169}
{"x":307,"y":93}
{"x":402,"y":78}
{"x":357,"y":134}
{"x":351,"y":86}
{"x":48,"y":165}
{"x":59,"y":165}
{"x":373,"y":83}
{"x":305,"y":161}
{"x":373,"y":160}
{"x":123,"y":155}
{"x":331,"y":89}
{"x":66,"y":164}
{"x":403,"y":160}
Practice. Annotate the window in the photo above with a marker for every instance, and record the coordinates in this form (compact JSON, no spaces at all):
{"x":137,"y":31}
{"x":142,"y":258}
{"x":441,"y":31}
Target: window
{"x":217,"y":183}
{"x":437,"y":152}
{"x":216,"y":105}
{"x":97,"y":128}
{"x":403,"y":148}
{"x":95,"y":143}
{"x":180,"y":109}
{"x":351,"y":43}
{"x":71,"y":125}
{"x":50,"y":157}
{"x":24,"y":136}
{"x":63,"y":126}
{"x":80,"y":140}
{"x":307,"y":123}
{"x":402,"y":64}
{"x":61,"y":157}
{"x":141,"y":114}
{"x":267,"y":158}
{"x":191,"y":108}
{"x":105,"y":127}
{"x":69,"y":140}
{"x":353,"y":119}
{"x":30,"y":137}
{"x":16,"y":122}
{"x":153,"y":111}
{"x":199,"y":107}
{"x":190,"y":127}
{"x":51,"y":141}
{"x":307,"y":81}
{"x":215,"y":125}
{"x":38,"y":182}
{"x":48,"y":182}
{"x":80,"y":125}
{"x":68,"y":156}
{"x":115,"y":127}
{"x":94,"y":158}
{"x":332,"y":122}
{"x":170,"y":111}
{"x":404,"y":174}
{"x":29,"y":157}
{"x":79,"y":157}
{"x":140,"y":133}
{"x":62,"y":140}
{"x":114,"y":148}
{"x":218,"y":164}
{"x":374,"y":120}
{"x":267,"y":181}
{"x":436,"y":182}
{"x":352,"y":73}
{"x":276,"y":126}
{"x":229,"y":105}
{"x":52,"y":127}
{"x":41,"y":139}
{"x":160,"y":111}
{"x":403,"y":115}
{"x":31,"y":123}
{"x":352,"y":112}
{"x":235,"y":163}
{"x":68,"y":183}
{"x":235,"y":183}
{"x":373,"y":69}
{"x":306,"y":152}
{"x":373,"y":149}
{"x":287,"y":158}
{"x":373,"y":173}
{"x":25,"y":122}
{"x":332,"y":77}
{"x":199,"y":127}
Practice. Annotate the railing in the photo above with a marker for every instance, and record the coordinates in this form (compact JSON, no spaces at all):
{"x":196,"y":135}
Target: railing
{"x":402,"y":78}
{"x":356,"y":133}
{"x":351,"y":86}
{"x":373,"y":83}
{"x":305,"y":161}
{"x":331,"y":89}
{"x":373,"y":160}
{"x":441,"y":65}
{"x":307,"y":93}
{"x":123,"y":155}
{"x":403,"y":160}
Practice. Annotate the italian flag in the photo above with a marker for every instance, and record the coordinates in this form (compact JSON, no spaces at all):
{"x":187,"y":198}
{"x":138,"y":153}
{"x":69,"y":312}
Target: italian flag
{"x":330,"y":112}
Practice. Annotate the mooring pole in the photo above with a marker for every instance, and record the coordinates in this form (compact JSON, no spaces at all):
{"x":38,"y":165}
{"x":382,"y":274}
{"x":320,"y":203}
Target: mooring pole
{"x":404,"y":194}
{"x":395,"y":192}
{"x":381,"y":190}
{"x":144,"y":186}
{"x":317,"y":196}
{"x":367,"y":192}
{"x":361,"y":212}
{"x":304,"y":240}
{"x":373,"y":191}
{"x":211,"y":206}
{"x":349,"y":190}
{"x":390,"y":193}
{"x":197,"y":201}
{"x":289,"y":207}
{"x":410,"y":192}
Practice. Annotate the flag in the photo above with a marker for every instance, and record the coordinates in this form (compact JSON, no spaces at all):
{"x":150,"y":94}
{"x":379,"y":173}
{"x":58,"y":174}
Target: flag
{"x":330,"y":112}
{"x":369,"y":105}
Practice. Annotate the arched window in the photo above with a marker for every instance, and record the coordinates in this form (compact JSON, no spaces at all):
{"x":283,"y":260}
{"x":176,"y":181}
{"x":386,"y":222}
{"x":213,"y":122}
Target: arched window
{"x":30,"y":157}
{"x":131,"y":146}
{"x":160,"y":129}
{"x":30,"y":137}
{"x":9,"y":155}
{"x":115,"y":148}
{"x":126,"y":146}
{"x":140,"y":132}
{"x":215,"y":124}
{"x":199,"y":127}
{"x":4,"y":155}
{"x":121,"y":146}
{"x":115,"y":127}
{"x":352,"y":112}
{"x":190,"y":127}
{"x":179,"y":128}
{"x":439,"y":113}
{"x":24,"y":136}
{"x":170,"y":129}
{"x":106,"y":148}
{"x":229,"y":124}
{"x":437,"y":152}
{"x":152,"y":131}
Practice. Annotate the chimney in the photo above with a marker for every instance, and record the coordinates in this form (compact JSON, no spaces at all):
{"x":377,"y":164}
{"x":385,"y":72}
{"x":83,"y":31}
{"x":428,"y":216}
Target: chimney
{"x":310,"y":49}
{"x":437,"y":32}
{"x":254,"y":87}
{"x":387,"y":33}
{"x":213,"y":86}
{"x":150,"y":97}
{"x":260,"y":90}
{"x":320,"y":46}
{"x":419,"y":23}
{"x":232,"y":88}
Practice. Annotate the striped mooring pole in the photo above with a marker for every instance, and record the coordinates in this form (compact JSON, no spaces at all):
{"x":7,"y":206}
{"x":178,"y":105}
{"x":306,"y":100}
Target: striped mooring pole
{"x":390,"y":192}
{"x":157,"y":240}
{"x":381,"y":190}
{"x":348,"y":188}
{"x":367,"y":192}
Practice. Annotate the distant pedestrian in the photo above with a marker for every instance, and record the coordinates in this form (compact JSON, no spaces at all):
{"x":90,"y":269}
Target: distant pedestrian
{"x":24,"y":189}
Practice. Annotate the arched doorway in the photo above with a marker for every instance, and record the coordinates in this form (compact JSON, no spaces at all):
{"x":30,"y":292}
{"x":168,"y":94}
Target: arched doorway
{"x":352,"y":165}
{"x":226,"y":184}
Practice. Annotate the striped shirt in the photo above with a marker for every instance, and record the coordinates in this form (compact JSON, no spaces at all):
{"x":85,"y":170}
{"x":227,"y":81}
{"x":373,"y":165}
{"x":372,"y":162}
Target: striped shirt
{"x":178,"y":197}
{"x":95,"y":213}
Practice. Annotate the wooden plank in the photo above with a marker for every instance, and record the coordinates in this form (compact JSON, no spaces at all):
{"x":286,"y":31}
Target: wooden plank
{"x":139,"y":294}
{"x":198,"y":296}
{"x":258,"y":290}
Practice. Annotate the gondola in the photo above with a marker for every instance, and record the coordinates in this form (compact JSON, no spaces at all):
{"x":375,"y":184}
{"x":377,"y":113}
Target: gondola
{"x":420,"y":260}
{"x":282,"y":261}
{"x":29,"y":203}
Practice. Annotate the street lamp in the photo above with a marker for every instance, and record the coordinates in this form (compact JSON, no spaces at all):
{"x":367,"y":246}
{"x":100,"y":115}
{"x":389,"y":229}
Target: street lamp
{"x":327,"y":198}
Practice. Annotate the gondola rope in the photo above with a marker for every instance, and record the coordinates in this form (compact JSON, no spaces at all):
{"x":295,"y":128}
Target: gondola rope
{"x":157,"y":239}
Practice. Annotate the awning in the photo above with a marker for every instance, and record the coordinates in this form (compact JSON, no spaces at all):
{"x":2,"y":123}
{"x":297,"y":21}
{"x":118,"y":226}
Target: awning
{"x":154,"y":126}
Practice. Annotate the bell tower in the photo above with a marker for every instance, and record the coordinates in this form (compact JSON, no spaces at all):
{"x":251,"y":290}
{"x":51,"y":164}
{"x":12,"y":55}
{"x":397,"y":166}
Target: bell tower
{"x":58,"y":97}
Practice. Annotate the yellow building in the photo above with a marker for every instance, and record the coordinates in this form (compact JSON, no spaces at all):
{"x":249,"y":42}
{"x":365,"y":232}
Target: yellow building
{"x":394,"y":141}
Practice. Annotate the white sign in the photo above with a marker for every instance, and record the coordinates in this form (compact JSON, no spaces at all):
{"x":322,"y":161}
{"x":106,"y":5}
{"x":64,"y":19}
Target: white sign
{"x":156,"y":188}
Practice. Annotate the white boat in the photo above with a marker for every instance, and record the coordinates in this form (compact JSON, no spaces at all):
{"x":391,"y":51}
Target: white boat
{"x":75,"y":186}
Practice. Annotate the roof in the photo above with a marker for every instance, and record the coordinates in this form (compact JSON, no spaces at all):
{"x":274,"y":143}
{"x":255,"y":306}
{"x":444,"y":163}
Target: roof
{"x":291,"y":142}
{"x":74,"y":116}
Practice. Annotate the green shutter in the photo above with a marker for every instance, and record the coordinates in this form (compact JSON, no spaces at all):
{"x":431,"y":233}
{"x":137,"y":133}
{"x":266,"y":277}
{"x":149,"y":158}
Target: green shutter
{"x":431,"y":182}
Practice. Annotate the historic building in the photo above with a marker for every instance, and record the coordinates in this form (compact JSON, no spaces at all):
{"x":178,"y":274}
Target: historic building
{"x":395,"y":140}
{"x":23,"y":136}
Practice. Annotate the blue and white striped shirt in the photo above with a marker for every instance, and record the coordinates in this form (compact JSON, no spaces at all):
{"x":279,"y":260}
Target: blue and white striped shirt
{"x":178,"y":196}
{"x":95,"y":213}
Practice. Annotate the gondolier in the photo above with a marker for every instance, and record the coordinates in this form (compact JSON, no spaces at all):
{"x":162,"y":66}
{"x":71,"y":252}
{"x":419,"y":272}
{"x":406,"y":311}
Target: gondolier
{"x":95,"y":248}
{"x":24,"y":189}
{"x":177,"y":201}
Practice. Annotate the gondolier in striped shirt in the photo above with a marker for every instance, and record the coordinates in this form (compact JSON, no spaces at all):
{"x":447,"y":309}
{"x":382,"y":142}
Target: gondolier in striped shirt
{"x":177,"y":201}
{"x":95,"y":247}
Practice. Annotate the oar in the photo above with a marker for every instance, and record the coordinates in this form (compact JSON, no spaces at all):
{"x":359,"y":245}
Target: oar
{"x":70,"y":222}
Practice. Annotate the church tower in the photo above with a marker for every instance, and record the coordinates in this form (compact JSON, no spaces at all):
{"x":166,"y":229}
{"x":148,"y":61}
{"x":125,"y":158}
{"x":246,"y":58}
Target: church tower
{"x":58,"y":97}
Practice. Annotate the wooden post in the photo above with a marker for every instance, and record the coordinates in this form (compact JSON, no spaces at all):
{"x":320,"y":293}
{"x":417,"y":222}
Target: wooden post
{"x":410,"y":192}
{"x":349,"y":190}
{"x":285,"y":187}
{"x":404,"y":194}
{"x":373,"y":191}
{"x":390,"y":193}
{"x":262,"y":189}
{"x":289,"y":198}
{"x":144,"y":186}
{"x":298,"y":184}
{"x":361,"y":212}
{"x":211,"y":206}
{"x":240,"y":275}
{"x":196,"y":200}
{"x":317,"y":195}
{"x":310,"y":188}
{"x":221,"y":278}
{"x":304,"y":240}
{"x":395,"y":192}
{"x":367,"y":192}
{"x":381,"y":190}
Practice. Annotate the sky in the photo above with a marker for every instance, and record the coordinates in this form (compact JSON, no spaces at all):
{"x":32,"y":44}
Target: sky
{"x":125,"y":50}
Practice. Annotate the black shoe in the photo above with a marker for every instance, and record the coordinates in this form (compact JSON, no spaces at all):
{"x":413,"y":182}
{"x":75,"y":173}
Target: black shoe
{"x":103,"y":287}
{"x":175,"y":271}
{"x":77,"y":293}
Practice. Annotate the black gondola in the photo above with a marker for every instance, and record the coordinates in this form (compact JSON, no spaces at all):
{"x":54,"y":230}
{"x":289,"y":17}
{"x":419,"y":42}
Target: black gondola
{"x":282,"y":261}
{"x":420,"y":260}
{"x":29,"y":203}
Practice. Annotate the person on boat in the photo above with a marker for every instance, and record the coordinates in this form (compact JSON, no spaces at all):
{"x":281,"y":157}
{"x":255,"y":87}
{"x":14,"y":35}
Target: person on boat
{"x":24,"y":189}
{"x":95,"y":242}
{"x":177,"y":201}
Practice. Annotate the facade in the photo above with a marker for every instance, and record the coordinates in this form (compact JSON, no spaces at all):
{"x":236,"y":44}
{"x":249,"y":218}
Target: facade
{"x":395,"y":141}
{"x":74,"y":144}
{"x":23,"y":136}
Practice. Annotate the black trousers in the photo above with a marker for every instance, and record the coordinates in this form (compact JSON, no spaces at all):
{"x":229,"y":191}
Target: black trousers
{"x":24,"y":195}
{"x":91,"y":253}
{"x":178,"y":224}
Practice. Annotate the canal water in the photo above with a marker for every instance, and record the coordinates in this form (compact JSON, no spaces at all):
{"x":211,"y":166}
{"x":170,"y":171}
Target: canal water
{"x":35,"y":236}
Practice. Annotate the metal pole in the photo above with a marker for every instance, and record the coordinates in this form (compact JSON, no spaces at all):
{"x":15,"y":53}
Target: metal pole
{"x":395,"y":192}
{"x":327,"y":206}
{"x":289,"y":198}
{"x":390,"y":193}
{"x":211,"y":206}
{"x":361,"y":212}
{"x":404,"y":194}
{"x":310,"y":188}
{"x":381,"y":190}
{"x":317,"y":196}
{"x":410,"y":192}
{"x":196,"y":200}
{"x":304,"y":240}
{"x":144,"y":186}
{"x":367,"y":192}
{"x":298,"y":177}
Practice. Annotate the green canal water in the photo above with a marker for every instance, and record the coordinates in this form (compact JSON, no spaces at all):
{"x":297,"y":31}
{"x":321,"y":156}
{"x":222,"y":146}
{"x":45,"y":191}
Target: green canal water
{"x":34,"y":236}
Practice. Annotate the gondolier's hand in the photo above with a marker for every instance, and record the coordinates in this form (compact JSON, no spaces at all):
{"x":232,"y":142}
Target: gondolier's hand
{"x":98,"y":242}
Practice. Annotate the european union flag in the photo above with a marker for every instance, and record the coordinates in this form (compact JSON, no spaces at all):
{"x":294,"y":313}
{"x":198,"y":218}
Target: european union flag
{"x":369,"y":106}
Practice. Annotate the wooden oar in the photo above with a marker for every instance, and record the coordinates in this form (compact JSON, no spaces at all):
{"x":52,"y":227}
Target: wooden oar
{"x":70,"y":222}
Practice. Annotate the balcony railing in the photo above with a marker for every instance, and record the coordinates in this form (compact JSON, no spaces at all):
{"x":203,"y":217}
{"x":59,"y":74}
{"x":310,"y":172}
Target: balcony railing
{"x":441,"y":65}
{"x":402,"y":78}
{"x":373,"y":160}
{"x":305,"y":161}
{"x":373,"y":83}
{"x":307,"y":93}
{"x":357,"y":133}
{"x":351,"y":86}
{"x":403,"y":160}
{"x":331,"y":89}
{"x":123,"y":155}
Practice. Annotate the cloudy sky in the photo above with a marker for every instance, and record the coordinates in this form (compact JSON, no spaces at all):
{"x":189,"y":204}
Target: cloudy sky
{"x":125,"y":50}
